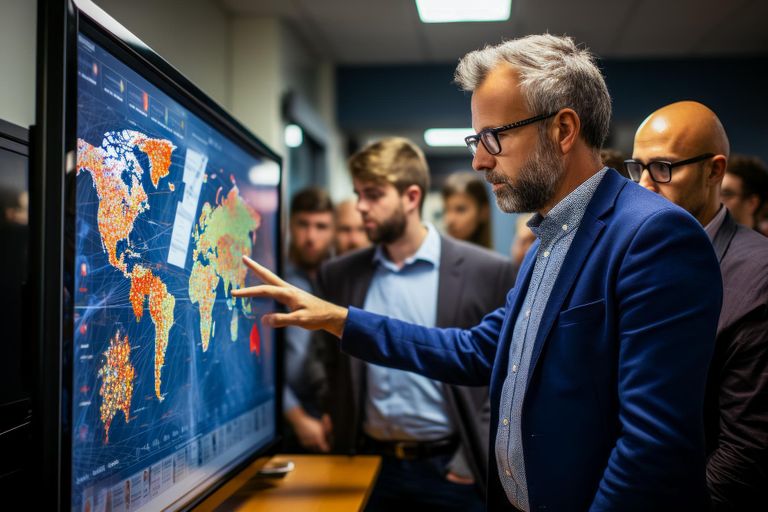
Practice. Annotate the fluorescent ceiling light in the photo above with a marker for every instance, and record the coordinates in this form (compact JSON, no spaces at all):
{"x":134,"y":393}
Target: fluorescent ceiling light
{"x":446,"y":137}
{"x":294,"y":136}
{"x":452,"y":11}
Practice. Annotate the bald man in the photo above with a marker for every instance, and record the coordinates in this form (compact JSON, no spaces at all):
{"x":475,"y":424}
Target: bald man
{"x":681,"y":152}
{"x":350,"y":231}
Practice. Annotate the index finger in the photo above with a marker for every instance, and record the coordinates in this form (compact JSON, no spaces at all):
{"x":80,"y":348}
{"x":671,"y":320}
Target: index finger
{"x":263,"y":273}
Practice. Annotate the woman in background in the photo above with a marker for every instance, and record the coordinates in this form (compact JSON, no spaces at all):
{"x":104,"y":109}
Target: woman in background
{"x":466,"y":211}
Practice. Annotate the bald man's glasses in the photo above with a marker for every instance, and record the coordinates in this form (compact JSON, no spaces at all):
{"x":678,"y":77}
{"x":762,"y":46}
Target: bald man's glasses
{"x":490,"y":136}
{"x":659,"y":170}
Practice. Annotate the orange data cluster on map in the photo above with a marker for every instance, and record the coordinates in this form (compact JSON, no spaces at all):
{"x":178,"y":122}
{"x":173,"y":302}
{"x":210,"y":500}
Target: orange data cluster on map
{"x":117,"y":376}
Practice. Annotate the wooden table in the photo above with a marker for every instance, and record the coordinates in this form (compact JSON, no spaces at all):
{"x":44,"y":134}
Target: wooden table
{"x":319,"y":483}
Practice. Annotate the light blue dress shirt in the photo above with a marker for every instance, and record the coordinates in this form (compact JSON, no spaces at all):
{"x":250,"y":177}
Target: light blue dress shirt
{"x":402,"y":405}
{"x":556,"y":232}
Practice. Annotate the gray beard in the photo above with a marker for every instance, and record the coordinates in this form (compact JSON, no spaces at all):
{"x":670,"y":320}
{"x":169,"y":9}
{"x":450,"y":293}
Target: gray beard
{"x":535,"y":183}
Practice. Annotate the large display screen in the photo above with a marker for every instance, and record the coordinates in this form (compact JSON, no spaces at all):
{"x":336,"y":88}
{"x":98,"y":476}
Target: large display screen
{"x":173,"y":379}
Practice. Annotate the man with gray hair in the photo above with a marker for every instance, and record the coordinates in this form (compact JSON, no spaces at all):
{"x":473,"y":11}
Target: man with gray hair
{"x":598,"y":361}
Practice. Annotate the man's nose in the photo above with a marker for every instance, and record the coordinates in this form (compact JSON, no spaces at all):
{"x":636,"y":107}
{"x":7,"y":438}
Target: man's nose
{"x":313,"y":234}
{"x":482,"y":160}
{"x":647,"y":182}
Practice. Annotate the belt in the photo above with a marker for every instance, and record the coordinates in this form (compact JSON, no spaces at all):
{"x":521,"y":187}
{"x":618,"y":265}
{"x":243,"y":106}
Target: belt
{"x":409,"y":450}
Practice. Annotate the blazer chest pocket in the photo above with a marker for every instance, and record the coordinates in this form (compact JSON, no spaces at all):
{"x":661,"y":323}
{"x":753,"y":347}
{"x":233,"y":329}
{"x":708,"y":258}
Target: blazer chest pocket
{"x":583,"y":313}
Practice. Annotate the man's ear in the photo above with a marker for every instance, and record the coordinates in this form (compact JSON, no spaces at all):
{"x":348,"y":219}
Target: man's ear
{"x":717,"y":169}
{"x":412,"y":196}
{"x":566,"y":128}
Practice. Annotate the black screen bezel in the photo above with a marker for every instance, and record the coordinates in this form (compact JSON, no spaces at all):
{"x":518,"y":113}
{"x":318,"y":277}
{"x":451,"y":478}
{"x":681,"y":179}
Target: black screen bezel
{"x":58,"y":86}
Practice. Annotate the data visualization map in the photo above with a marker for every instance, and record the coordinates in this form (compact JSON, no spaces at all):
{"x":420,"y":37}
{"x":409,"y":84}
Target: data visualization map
{"x":174,"y":376}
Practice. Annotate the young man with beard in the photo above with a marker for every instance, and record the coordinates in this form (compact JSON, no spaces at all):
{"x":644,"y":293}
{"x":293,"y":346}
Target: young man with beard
{"x":311,"y":226}
{"x":433,"y":437}
{"x":598,"y":361}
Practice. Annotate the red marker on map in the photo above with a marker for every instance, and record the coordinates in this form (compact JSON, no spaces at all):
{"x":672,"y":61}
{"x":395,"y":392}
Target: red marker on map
{"x":255,"y":340}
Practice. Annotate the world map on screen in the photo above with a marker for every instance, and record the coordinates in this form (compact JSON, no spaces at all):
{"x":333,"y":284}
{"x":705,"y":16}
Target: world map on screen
{"x":224,"y":232}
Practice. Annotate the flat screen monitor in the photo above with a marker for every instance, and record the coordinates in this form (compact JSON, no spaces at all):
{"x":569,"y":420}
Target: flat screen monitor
{"x":168,"y":383}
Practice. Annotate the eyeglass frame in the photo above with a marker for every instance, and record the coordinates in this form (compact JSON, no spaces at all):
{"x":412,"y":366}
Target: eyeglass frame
{"x":671,"y":165}
{"x":472,"y":141}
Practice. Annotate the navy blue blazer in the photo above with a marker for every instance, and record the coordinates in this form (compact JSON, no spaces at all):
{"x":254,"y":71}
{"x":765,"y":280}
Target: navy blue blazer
{"x":613,"y":411}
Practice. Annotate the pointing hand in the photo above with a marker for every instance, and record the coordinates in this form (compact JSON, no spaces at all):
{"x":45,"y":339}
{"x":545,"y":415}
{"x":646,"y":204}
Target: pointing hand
{"x":305,"y":310}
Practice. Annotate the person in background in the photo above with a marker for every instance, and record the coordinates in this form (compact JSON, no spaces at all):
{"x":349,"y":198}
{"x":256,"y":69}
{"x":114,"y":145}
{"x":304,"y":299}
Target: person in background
{"x":598,"y":361}
{"x":524,"y":239}
{"x":466,"y":209}
{"x":681,"y":152}
{"x":433,"y":437}
{"x":311,"y":229}
{"x":350,"y":232}
{"x":745,"y":189}
{"x":614,"y":159}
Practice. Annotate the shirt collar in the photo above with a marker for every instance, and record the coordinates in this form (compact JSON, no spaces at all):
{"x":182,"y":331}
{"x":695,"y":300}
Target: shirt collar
{"x":429,"y":251}
{"x":714,"y":225}
{"x":566,"y":215}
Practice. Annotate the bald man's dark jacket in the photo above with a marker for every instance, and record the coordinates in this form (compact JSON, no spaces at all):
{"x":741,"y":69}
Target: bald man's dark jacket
{"x":737,"y":392}
{"x":472,"y":281}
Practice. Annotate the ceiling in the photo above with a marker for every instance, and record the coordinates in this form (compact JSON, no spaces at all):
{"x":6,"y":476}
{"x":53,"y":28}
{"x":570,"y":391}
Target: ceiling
{"x":389,"y":31}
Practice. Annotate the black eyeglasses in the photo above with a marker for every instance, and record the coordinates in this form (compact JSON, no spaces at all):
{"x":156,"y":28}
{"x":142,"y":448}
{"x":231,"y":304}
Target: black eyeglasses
{"x":659,"y":170}
{"x":490,"y":136}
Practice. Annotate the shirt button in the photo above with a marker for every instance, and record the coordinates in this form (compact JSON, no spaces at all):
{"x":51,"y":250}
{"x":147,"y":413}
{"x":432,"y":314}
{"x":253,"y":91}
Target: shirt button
{"x":565,"y":227}
{"x":527,"y":313}
{"x":505,"y":421}
{"x":514,"y":368}
{"x":507,"y":472}
{"x":546,"y":254}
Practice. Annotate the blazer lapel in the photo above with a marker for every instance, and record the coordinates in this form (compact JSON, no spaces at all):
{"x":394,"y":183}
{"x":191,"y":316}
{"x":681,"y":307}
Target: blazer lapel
{"x":357,"y":293}
{"x":359,"y":286}
{"x":724,"y":236}
{"x":587,"y":233}
{"x":450,"y":284}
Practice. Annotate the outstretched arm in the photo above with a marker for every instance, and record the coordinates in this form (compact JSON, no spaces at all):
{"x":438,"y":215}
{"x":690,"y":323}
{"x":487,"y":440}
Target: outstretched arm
{"x":455,"y":356}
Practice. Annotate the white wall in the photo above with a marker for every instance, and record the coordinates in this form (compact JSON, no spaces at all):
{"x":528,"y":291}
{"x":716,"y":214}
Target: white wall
{"x":315,"y":80}
{"x":18,"y":42}
{"x":256,"y":78}
{"x":268,"y":60}
{"x":339,"y":181}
